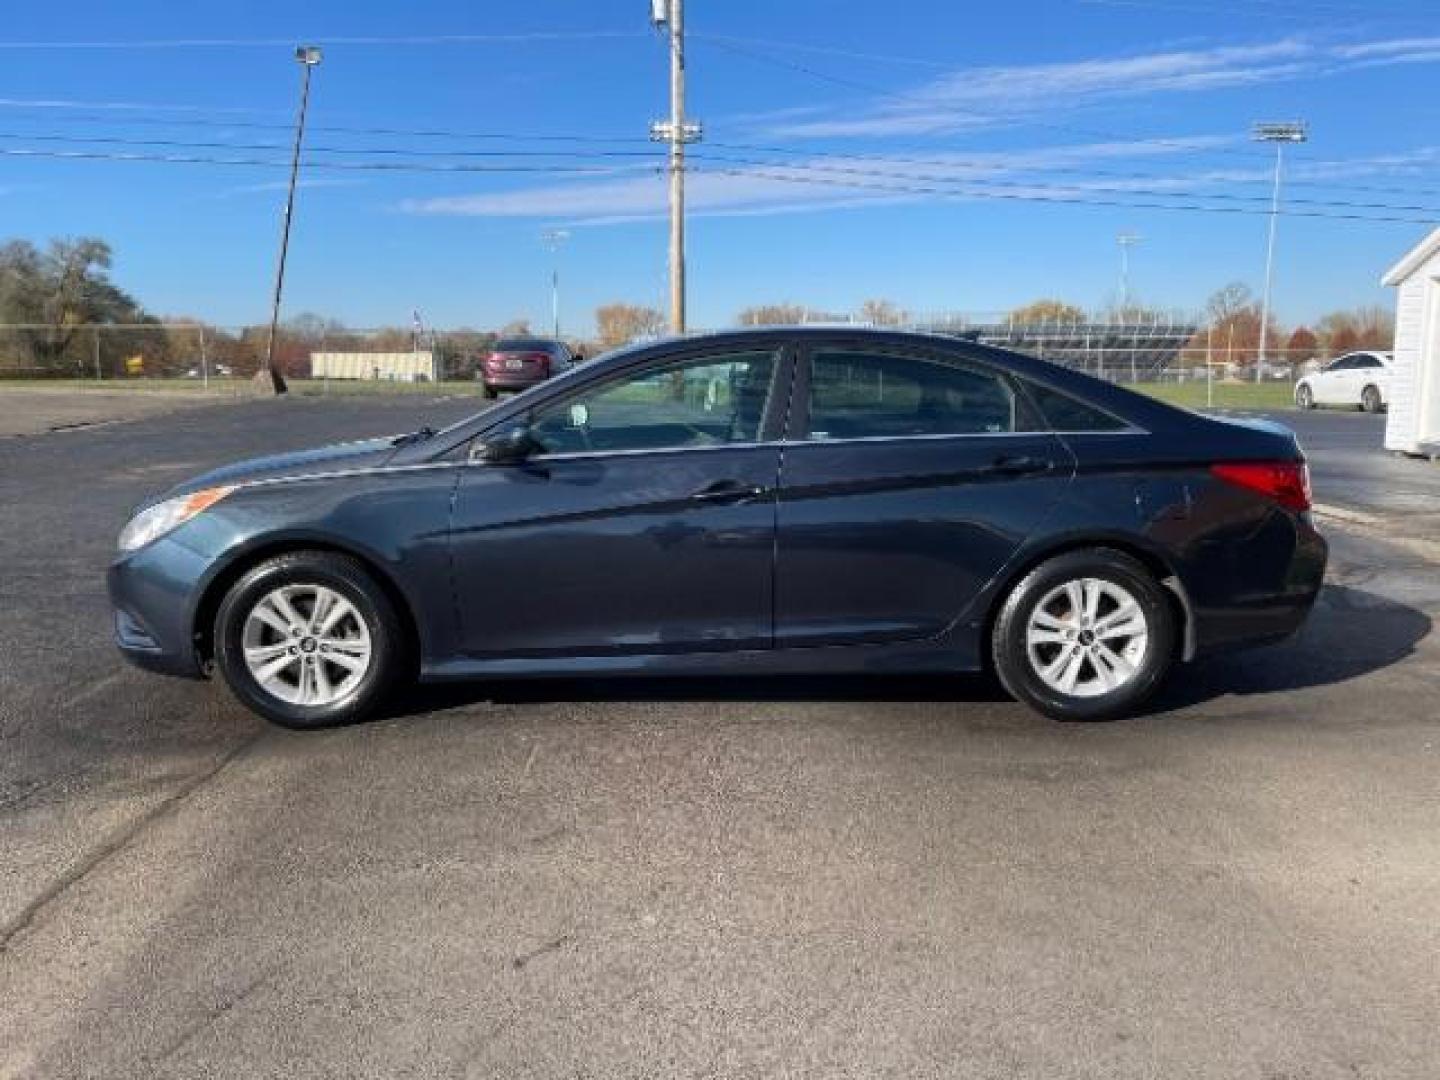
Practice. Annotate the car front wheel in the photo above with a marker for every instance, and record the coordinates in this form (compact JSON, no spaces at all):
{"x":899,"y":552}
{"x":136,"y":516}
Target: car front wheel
{"x":1305,"y":398}
{"x":1087,"y":635}
{"x":308,"y":639}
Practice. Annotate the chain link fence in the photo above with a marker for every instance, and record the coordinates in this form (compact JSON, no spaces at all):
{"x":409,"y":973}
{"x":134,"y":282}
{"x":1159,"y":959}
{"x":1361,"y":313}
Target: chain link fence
{"x":1175,"y":359}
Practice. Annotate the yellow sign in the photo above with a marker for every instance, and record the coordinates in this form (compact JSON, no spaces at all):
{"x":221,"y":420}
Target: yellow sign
{"x":135,"y":365}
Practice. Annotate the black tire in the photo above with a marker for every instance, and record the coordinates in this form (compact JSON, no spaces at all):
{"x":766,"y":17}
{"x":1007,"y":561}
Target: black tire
{"x":1305,"y":398}
{"x":389,"y":645}
{"x":1370,"y":399}
{"x":491,"y":393}
{"x":1013,"y":662}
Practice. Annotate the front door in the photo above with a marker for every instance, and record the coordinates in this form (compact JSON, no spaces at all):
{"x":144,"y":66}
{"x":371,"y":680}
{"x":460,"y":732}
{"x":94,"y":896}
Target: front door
{"x":645,"y":523}
{"x":914,"y":478}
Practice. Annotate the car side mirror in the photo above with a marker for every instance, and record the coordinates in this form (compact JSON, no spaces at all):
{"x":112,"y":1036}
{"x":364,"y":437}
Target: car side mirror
{"x":509,"y":447}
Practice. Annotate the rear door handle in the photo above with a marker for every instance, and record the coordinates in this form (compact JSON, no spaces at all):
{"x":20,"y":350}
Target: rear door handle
{"x":1019,"y":465}
{"x":723,"y":491}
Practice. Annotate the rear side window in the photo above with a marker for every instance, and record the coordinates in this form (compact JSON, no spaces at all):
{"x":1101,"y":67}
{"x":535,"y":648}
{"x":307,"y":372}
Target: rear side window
{"x":1065,"y":413}
{"x":859,"y":395}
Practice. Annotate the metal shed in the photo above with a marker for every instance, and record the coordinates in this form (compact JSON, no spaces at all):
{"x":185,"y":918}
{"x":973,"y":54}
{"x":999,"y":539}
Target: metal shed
{"x":1413,"y":426}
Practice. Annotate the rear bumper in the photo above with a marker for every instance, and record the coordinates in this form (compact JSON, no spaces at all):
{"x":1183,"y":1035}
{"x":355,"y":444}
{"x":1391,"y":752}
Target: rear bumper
{"x":511,"y":380}
{"x":1271,"y":584}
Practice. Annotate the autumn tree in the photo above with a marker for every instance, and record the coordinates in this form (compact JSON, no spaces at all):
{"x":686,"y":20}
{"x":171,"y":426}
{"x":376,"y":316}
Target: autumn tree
{"x":619,"y":322}
{"x":1232,"y":315}
{"x":772,"y":315}
{"x":1358,"y":328}
{"x":1303,"y":345}
{"x":1047,"y":311}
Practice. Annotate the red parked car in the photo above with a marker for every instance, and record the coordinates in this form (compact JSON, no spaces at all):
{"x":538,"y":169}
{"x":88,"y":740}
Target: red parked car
{"x":520,"y":363}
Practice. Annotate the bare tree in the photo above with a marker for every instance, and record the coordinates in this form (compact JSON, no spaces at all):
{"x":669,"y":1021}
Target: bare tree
{"x":883,"y":313}
{"x":772,"y":315}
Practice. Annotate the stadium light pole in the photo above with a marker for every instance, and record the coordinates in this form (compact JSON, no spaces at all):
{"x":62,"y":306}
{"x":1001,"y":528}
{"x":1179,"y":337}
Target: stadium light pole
{"x":552,"y":239}
{"x":308,"y":57}
{"x":1294,"y":131}
{"x":1126,"y":240}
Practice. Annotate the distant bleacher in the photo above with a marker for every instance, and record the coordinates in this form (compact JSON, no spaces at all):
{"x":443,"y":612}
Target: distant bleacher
{"x":1117,"y":351}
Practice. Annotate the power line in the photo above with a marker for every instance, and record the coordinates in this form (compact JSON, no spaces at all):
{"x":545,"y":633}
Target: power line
{"x":986,"y":182}
{"x":950,"y":193}
{"x":287,"y":43}
{"x":821,"y":180}
{"x":357,"y":166}
{"x":806,"y":168}
{"x":886,"y":159}
{"x":112,"y":140}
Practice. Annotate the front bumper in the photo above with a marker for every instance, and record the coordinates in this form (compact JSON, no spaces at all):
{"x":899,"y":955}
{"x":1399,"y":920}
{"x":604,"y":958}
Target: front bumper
{"x":154,"y":593}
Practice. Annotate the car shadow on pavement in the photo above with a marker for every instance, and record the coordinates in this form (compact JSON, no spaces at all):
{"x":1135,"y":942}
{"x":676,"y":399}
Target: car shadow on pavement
{"x":1350,"y":633}
{"x":696,"y":688}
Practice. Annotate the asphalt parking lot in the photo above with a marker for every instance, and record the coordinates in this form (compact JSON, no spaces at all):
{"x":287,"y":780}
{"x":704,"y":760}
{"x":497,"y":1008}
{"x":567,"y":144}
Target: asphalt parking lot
{"x":741,"y":878}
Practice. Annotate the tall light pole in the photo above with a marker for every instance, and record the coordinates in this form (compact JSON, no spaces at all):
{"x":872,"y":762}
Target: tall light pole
{"x":676,"y":131}
{"x":1294,"y":131}
{"x":553,"y":238}
{"x":308,"y":57}
{"x":1126,"y":240}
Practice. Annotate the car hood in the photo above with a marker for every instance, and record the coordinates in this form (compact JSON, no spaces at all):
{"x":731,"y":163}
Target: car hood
{"x":367,"y":453}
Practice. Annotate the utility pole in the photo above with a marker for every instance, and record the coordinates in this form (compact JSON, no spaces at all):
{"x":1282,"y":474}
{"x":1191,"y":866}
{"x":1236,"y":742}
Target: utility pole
{"x":1294,"y":131}
{"x":552,"y":239}
{"x":677,"y":131}
{"x":1126,"y":240}
{"x":308,"y":57}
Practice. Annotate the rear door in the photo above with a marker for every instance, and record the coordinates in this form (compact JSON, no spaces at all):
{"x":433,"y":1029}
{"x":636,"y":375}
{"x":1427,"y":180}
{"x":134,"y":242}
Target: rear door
{"x":910,"y":478}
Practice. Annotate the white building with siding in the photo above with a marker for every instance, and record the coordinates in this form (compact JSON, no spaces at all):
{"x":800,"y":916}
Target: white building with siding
{"x":416,"y":366}
{"x":1413,"y":426}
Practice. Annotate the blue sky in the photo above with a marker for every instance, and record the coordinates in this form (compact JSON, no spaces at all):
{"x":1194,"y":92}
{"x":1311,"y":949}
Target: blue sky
{"x":943,"y":155}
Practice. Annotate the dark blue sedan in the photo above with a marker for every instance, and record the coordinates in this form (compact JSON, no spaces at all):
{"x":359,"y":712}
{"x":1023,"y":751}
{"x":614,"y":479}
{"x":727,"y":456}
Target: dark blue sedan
{"x":789,"y":500}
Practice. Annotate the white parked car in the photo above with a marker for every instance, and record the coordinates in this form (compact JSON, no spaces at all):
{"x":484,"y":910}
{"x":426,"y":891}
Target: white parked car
{"x":1356,"y":380}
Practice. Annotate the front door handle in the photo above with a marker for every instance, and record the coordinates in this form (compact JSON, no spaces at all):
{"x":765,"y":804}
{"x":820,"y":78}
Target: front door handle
{"x":723,"y":491}
{"x":1020,"y":465}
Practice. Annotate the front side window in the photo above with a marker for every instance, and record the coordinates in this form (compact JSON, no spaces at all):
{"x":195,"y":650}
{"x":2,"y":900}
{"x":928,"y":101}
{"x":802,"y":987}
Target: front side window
{"x":709,"y":401}
{"x":859,"y":395}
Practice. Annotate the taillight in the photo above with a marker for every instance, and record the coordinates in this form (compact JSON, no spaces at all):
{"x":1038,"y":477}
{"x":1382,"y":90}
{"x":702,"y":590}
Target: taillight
{"x":1287,"y":482}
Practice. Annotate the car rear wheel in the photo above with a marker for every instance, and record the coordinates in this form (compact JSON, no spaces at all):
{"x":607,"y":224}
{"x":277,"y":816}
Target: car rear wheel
{"x":308,"y":639}
{"x":491,"y":393}
{"x":1305,"y":398}
{"x":1370,"y":399}
{"x":1087,"y":635}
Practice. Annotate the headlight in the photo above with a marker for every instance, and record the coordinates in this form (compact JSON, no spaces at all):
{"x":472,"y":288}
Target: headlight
{"x":149,"y":525}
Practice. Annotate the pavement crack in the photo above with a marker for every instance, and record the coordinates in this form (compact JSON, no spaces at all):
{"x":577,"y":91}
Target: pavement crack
{"x":113,"y":845}
{"x":216,"y":1012}
{"x":534,"y":954}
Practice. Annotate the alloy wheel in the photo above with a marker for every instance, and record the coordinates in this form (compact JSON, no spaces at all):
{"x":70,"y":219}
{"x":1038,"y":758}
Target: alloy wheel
{"x":306,"y":645}
{"x":1087,"y":637}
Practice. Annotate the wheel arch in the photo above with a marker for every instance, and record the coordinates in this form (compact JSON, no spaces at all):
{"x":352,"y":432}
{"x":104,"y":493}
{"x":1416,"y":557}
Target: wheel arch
{"x":202,"y":623}
{"x":1135,"y":547}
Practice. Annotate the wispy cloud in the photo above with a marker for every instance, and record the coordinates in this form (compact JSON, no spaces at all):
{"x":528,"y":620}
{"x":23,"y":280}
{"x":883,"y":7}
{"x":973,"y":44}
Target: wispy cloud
{"x":981,"y":97}
{"x":744,"y":188}
{"x":730,"y":186}
{"x":987,"y":96}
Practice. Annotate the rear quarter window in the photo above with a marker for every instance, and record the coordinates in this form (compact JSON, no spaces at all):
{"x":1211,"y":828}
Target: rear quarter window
{"x":1065,"y":413}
